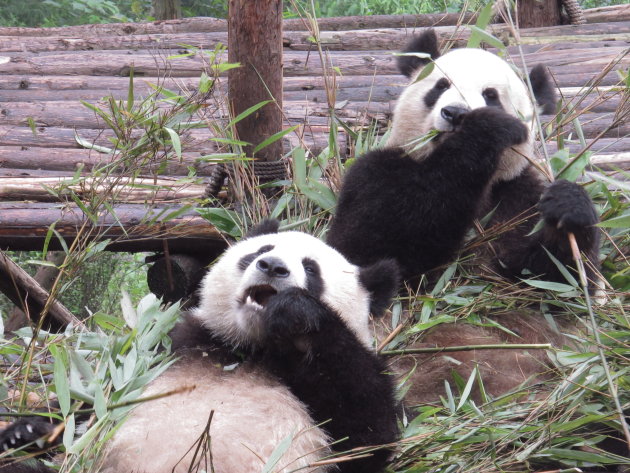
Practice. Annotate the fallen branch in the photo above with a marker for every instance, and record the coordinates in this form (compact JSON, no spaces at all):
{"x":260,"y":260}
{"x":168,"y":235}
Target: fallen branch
{"x":27,"y":294}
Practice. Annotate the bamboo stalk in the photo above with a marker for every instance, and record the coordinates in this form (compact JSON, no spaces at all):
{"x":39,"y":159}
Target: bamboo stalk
{"x":507,"y":346}
{"x":575,"y":250}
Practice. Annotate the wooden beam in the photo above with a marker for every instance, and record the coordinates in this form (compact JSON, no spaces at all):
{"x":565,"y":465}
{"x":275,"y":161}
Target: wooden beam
{"x":24,"y":226}
{"x":255,"y":41}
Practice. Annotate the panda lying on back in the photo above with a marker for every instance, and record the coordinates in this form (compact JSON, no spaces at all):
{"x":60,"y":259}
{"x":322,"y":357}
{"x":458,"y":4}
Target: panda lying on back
{"x":298,"y":311}
{"x":416,"y":203}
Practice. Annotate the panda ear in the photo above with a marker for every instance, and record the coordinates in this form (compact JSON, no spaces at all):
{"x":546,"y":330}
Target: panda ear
{"x":543,"y":88}
{"x":426,"y":43}
{"x":265,"y":227}
{"x":382,"y":280}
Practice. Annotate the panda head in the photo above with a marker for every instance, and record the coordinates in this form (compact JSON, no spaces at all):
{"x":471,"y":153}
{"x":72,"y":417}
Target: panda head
{"x":462,"y":80}
{"x":234,"y":292}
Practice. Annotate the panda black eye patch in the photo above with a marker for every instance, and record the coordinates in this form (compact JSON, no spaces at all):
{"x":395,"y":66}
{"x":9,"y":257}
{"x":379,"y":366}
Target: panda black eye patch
{"x":438,"y":89}
{"x":314,"y":281}
{"x":491,"y":96}
{"x":246,"y":260}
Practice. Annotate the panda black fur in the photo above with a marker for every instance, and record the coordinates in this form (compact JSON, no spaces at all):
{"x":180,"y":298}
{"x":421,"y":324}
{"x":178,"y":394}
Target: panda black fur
{"x":417,"y":203}
{"x":298,"y":311}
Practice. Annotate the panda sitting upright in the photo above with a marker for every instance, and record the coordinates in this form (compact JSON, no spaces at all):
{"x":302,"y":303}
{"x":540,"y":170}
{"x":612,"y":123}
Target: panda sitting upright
{"x":415,"y":202}
{"x":289,"y":316}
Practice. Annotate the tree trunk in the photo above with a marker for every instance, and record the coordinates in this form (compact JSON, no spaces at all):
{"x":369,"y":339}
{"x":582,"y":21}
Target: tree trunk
{"x":535,"y":13}
{"x":255,"y":41}
{"x":166,"y":9}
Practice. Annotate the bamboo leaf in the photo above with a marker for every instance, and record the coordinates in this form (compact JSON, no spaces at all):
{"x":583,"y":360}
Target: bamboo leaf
{"x":177,"y":144}
{"x":479,"y":35}
{"x":622,"y":221}
{"x":68,"y":432}
{"x":549,"y":285}
{"x":467,"y":388}
{"x":248,"y":112}
{"x":299,"y":167}
{"x":60,"y":375}
{"x":425,"y":72}
{"x":273,"y":138}
{"x":277,"y":454}
{"x":130,"y":93}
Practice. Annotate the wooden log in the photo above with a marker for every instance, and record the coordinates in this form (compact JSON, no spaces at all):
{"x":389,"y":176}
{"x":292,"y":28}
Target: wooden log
{"x":612,"y":13}
{"x":184,"y":25}
{"x":382,"y":21}
{"x":70,"y":160}
{"x":78,"y":116}
{"x":24,"y":226}
{"x":25,"y":292}
{"x":351,"y":40}
{"x":139,"y":190}
{"x":395,"y":39}
{"x":379,"y":88}
{"x":255,"y":42}
{"x":296,"y":63}
{"x":209,"y":25}
{"x":174,"y":42}
{"x":315,"y":137}
{"x":87,"y":126}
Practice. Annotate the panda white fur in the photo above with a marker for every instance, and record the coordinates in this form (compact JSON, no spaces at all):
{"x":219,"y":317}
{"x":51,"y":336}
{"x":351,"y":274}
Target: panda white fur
{"x":417,"y":204}
{"x":298,"y":312}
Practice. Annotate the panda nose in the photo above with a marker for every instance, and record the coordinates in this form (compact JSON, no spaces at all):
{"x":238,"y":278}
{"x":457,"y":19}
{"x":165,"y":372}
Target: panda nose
{"x":453,"y":114}
{"x":273,"y":267}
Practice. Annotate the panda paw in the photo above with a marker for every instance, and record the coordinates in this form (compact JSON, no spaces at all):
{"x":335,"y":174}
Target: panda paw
{"x":293,"y":312}
{"x":493,"y":124}
{"x":32,"y":430}
{"x":566,"y":206}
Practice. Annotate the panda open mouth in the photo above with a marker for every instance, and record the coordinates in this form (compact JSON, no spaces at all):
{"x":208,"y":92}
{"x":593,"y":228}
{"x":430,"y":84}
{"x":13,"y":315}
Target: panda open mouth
{"x":258,"y":296}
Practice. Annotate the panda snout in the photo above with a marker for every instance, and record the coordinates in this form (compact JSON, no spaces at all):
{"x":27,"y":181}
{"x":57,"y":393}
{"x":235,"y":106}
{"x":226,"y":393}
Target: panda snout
{"x":454,"y":114}
{"x":273,"y":267}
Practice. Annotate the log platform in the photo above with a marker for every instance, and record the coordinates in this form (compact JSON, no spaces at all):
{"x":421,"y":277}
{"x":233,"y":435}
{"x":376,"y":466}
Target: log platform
{"x":46,"y":72}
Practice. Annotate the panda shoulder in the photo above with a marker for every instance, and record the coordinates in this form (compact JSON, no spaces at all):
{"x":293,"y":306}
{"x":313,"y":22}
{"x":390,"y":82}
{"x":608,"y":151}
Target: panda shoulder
{"x":379,"y":163}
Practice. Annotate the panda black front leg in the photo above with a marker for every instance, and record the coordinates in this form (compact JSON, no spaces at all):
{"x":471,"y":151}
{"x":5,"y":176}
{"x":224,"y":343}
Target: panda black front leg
{"x":328,"y":369}
{"x":483,"y":134}
{"x":28,"y":434}
{"x":566,"y":207}
{"x":29,"y":431}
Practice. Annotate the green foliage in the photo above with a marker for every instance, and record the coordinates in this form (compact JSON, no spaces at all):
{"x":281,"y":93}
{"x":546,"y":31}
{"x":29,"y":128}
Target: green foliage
{"x":325,"y":8}
{"x":62,"y":12}
{"x":109,"y":373}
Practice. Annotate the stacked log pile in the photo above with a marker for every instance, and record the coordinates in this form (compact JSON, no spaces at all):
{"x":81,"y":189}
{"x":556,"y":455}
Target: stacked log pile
{"x":45,"y":73}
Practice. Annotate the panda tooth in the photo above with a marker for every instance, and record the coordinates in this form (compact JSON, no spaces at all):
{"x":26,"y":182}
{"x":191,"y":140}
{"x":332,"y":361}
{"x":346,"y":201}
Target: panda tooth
{"x":252,"y":302}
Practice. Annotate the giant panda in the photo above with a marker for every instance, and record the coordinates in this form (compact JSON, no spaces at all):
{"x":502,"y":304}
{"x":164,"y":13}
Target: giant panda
{"x":278,"y":348}
{"x":416,"y":200}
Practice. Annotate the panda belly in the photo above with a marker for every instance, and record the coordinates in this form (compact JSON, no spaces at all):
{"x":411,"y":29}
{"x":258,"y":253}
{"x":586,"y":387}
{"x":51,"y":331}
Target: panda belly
{"x":253,"y":414}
